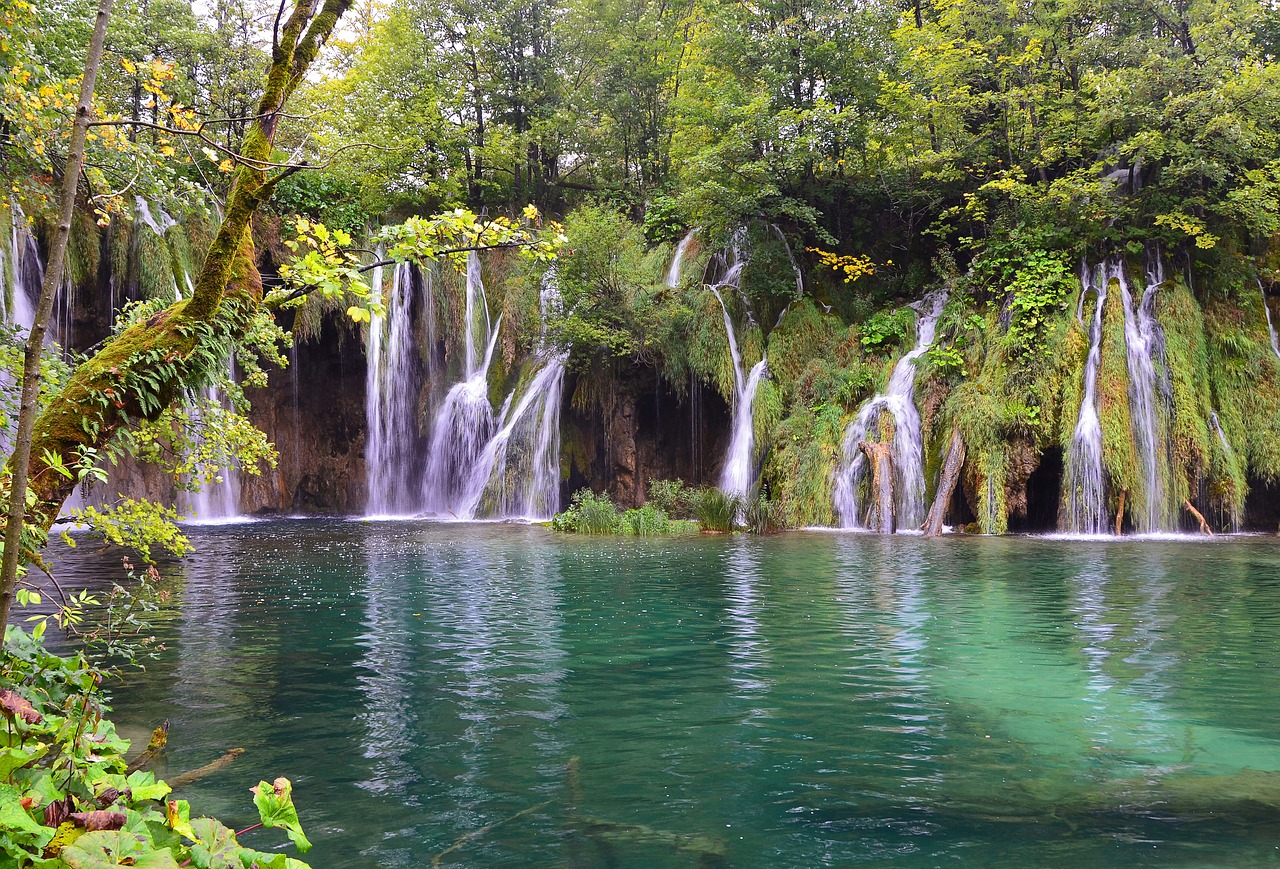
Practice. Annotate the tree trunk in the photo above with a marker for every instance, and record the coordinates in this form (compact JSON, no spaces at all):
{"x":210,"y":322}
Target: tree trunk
{"x":144,"y":369}
{"x":881,"y":458}
{"x":946,"y":485}
{"x":1204,"y":526}
{"x":44,"y":309}
{"x":1124,"y":494}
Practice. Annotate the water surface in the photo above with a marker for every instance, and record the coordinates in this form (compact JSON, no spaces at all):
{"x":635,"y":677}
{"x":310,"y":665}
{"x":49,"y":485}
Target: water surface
{"x":804,"y":700}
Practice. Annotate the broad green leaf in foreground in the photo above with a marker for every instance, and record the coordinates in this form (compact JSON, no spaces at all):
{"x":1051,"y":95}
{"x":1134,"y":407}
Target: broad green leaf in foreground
{"x":275,"y":807}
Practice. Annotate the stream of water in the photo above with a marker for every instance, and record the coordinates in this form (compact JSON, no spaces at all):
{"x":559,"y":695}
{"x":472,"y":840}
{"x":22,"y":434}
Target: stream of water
{"x":898,"y":400}
{"x":813,"y":699}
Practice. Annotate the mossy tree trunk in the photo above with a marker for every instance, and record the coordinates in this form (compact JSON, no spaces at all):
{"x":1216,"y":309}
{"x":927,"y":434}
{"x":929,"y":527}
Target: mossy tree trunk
{"x":946,"y":484}
{"x":140,"y":372}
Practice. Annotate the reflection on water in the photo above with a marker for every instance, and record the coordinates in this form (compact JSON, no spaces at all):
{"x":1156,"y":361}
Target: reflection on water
{"x":806,"y":700}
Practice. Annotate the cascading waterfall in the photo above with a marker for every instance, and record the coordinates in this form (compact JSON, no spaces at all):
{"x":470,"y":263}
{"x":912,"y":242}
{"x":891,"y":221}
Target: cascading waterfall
{"x":392,"y":384}
{"x":1271,"y":329}
{"x":518,"y":474}
{"x":464,"y":424}
{"x":908,"y":448}
{"x":217,"y":501}
{"x":1150,"y":397}
{"x":1229,"y":455}
{"x":677,"y":261}
{"x":1084,"y":507}
{"x":27,"y":272}
{"x":738,"y":475}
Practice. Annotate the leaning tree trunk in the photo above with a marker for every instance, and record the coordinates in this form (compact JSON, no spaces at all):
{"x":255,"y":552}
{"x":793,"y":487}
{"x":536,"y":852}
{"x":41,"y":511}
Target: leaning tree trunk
{"x":946,"y":485}
{"x":880,"y":456}
{"x":44,"y":310}
{"x":144,"y":369}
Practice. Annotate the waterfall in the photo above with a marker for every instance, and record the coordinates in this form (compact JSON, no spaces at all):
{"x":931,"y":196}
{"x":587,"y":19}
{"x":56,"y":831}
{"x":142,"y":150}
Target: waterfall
{"x":1271,"y":329}
{"x":908,"y":448}
{"x":677,"y":261}
{"x":509,"y":468}
{"x":469,"y":464}
{"x":27,"y":271}
{"x":1150,"y":396}
{"x":1084,"y":506}
{"x":1229,"y":455}
{"x":464,"y":423}
{"x":216,"y":501}
{"x":392,"y":383}
{"x":738,"y":475}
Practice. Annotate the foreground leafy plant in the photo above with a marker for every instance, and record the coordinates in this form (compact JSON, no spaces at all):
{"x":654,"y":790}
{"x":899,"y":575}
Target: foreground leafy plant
{"x":69,"y":799}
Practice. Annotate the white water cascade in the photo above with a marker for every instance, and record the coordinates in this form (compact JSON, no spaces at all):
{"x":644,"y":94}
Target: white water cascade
{"x":1149,"y":401}
{"x":908,"y":447}
{"x":739,"y":473}
{"x":1271,"y":329}
{"x":26,"y":273}
{"x":518,"y":474}
{"x":464,"y":424}
{"x":392,"y":384}
{"x":677,"y":261}
{"x":1230,"y":456}
{"x":1084,"y":508}
{"x":217,"y":501}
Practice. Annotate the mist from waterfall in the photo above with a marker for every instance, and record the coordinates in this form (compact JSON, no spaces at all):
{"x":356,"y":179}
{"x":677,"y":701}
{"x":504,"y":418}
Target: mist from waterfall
{"x":851,"y":503}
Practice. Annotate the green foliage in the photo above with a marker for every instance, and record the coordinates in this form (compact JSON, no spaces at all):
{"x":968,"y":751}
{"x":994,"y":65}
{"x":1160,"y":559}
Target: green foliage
{"x":762,"y":516}
{"x":715,"y":510}
{"x":68,"y":798}
{"x":647,"y":521}
{"x":1039,"y":289}
{"x":137,"y":525}
{"x":888,"y":329}
{"x":589,"y":513}
{"x":323,"y":197}
{"x":670,"y":496}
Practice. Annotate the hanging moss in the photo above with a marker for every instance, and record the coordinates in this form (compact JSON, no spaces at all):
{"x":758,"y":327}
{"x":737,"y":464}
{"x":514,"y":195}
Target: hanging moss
{"x":83,"y":249}
{"x":1186,"y":355}
{"x":1119,"y":456}
{"x":804,"y":334}
{"x":156,"y":279}
{"x":806,"y":448}
{"x":1244,"y":376}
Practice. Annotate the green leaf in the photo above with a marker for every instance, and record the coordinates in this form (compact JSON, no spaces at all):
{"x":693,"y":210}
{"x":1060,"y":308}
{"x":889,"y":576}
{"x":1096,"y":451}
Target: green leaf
{"x":16,"y":758}
{"x":275,"y":808}
{"x":143,"y":786}
{"x":217,"y":848}
{"x":106,"y":850}
{"x":178,"y":817}
{"x":13,"y":817}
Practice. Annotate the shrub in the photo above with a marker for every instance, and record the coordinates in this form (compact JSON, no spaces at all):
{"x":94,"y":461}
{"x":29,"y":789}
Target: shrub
{"x":762,"y":515}
{"x":670,"y":496}
{"x":715,"y":510}
{"x":589,"y":513}
{"x":647,"y":521}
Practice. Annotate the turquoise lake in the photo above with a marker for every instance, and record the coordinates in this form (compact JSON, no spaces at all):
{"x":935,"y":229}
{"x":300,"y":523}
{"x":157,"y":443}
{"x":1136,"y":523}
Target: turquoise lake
{"x":810,"y":699}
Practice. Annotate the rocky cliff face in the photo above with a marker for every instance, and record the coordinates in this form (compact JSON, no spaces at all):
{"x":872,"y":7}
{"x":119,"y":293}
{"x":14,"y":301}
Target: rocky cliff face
{"x":314,"y":414}
{"x":640,"y":431}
